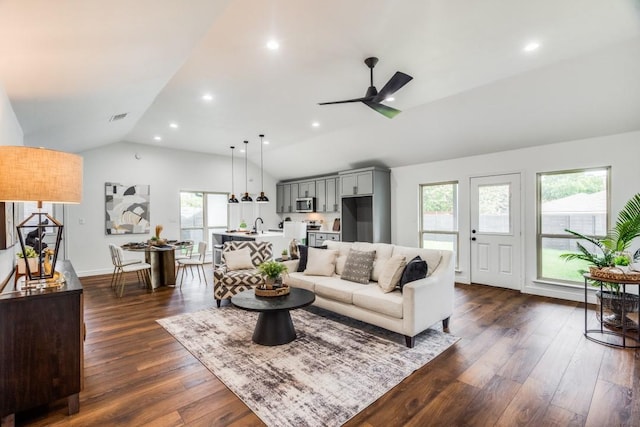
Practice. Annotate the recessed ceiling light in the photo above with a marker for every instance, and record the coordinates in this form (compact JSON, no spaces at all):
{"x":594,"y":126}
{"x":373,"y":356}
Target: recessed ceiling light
{"x":530,"y":47}
{"x":389,"y":99}
{"x":207,"y":97}
{"x":265,"y":142}
{"x":173,"y":125}
{"x":157,"y":138}
{"x":273,"y":45}
{"x":242,"y":150}
{"x":315,"y":124}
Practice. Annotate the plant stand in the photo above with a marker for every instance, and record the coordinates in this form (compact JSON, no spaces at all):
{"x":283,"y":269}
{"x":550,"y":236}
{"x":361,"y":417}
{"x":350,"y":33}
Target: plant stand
{"x":615,"y":328}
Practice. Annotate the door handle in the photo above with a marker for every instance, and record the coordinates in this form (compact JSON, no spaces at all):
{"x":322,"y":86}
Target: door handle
{"x":473,"y":239}
{"x":473,"y":231}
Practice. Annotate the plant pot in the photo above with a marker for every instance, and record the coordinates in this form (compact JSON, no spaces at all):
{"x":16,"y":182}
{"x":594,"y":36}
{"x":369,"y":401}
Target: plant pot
{"x":612,"y":305}
{"x":33,"y":265}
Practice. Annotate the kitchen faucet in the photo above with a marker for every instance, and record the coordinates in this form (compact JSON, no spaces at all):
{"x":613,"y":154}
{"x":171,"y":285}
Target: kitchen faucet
{"x":255,"y":224}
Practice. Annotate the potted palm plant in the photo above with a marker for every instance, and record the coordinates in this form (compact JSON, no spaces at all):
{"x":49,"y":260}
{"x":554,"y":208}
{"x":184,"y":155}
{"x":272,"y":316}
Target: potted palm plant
{"x":609,"y":252}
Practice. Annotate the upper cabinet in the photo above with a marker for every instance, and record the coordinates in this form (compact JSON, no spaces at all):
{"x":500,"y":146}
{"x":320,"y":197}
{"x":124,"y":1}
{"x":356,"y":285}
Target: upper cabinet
{"x":357,"y":183}
{"x":307,"y":189}
{"x":284,"y":201}
{"x":327,"y":199}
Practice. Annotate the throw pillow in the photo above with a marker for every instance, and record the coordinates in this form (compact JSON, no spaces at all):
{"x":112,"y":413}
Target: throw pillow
{"x":303,"y":251}
{"x":320,"y":262}
{"x":416,"y":269}
{"x":391,"y":273}
{"x":358,"y":266}
{"x":239,"y":259}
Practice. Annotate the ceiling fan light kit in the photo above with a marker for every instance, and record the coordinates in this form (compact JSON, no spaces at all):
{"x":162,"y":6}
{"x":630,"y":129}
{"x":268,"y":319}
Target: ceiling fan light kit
{"x":261,"y":198}
{"x":372,"y":98}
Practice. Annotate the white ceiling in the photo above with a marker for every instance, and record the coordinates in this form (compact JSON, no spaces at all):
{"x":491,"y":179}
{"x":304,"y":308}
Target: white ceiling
{"x":68,"y":66}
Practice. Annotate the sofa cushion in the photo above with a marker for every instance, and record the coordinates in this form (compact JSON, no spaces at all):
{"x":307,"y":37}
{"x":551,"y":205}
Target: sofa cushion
{"x":391,"y":273}
{"x":238,"y":260}
{"x":416,"y":269}
{"x":321,"y":262}
{"x":374,"y":299}
{"x":299,"y":280}
{"x":358,"y":266}
{"x":383,"y":253}
{"x":343,"y":249}
{"x":431,"y":256}
{"x":337,"y":289}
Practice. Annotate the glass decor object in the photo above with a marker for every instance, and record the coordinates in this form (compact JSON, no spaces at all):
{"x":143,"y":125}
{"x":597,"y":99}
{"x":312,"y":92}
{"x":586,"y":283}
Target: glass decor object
{"x":29,"y":174}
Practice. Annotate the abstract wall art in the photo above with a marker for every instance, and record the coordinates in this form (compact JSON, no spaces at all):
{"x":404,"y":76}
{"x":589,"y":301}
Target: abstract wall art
{"x":127,"y":208}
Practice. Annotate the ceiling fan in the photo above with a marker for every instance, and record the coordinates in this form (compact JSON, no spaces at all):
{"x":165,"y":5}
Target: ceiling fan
{"x":373,"y":98}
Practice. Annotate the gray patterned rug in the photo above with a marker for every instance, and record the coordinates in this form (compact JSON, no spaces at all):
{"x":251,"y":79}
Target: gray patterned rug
{"x":333,"y":370}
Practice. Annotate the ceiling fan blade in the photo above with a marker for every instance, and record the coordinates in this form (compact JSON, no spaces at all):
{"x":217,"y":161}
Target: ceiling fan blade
{"x":346,"y":101}
{"x":394,"y":84}
{"x":382,"y":109}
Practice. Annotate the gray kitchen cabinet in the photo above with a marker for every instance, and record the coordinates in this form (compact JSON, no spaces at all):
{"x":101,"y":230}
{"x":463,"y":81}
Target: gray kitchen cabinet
{"x":286,"y":197}
{"x":307,"y":189}
{"x":280,"y":198}
{"x":317,"y":238}
{"x":295,"y":193}
{"x":327,"y":195}
{"x":357,"y":183}
{"x":365,"y":210}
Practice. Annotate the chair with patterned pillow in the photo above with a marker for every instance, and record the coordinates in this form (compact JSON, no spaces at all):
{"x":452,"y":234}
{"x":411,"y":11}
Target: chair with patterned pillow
{"x":239,"y":271}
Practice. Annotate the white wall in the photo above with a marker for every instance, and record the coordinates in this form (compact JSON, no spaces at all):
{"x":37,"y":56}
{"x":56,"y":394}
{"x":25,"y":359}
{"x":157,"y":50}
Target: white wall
{"x":621,"y":152}
{"x":168,"y":172}
{"x":10,"y":134}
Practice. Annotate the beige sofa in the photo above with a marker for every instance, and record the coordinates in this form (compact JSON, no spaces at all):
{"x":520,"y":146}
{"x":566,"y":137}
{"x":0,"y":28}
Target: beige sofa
{"x":418,"y":306}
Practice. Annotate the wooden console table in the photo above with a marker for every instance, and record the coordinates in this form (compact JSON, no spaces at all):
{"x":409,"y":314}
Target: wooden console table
{"x":41,"y":337}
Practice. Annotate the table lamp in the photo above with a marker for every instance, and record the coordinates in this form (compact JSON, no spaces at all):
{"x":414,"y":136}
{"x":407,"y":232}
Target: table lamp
{"x":40,"y":175}
{"x":297,"y":232}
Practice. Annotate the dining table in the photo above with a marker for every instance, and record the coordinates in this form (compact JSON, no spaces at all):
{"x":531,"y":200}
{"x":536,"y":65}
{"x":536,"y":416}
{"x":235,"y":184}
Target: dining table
{"x":162,"y":259}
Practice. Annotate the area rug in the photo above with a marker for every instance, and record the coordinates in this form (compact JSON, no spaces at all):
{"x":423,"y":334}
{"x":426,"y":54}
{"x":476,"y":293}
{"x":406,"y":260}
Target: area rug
{"x":333,"y":370}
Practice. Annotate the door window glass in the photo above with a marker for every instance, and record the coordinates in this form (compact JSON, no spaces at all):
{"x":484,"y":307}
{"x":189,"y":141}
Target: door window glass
{"x":494,"y":206}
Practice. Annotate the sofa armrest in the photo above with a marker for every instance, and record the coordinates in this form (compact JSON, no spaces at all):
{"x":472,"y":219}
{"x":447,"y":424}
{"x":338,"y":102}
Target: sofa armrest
{"x":292,"y":264}
{"x":219,"y":272}
{"x":428,"y":300}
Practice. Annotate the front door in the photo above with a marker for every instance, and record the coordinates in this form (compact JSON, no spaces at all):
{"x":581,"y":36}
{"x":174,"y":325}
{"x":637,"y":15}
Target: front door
{"x":495,"y":231}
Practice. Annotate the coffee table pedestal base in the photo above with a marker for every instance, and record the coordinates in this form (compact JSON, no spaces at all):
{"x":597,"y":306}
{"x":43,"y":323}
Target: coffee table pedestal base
{"x":274,"y":328}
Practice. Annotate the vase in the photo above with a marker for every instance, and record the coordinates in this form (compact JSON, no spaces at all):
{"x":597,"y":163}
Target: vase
{"x":612,"y":307}
{"x":33,"y":265}
{"x":269,"y":282}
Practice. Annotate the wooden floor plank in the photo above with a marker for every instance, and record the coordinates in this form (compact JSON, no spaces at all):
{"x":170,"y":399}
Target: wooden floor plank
{"x":521,"y":359}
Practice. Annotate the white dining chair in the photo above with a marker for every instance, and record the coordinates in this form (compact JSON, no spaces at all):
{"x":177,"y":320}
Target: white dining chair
{"x":197,"y":262}
{"x":122,"y":266}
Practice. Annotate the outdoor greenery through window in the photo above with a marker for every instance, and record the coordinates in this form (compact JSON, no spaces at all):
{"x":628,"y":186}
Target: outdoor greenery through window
{"x":576,"y":200}
{"x":201,"y":214}
{"x":439,"y":216}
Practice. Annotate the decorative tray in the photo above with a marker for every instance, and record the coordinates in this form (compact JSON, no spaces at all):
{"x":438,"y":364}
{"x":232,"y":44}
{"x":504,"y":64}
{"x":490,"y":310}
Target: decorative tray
{"x":614,"y":273}
{"x":275,"y":292}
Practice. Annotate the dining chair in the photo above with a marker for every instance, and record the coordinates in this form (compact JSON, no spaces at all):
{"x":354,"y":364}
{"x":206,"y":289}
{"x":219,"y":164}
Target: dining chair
{"x":197,"y":262}
{"x":185,"y":252}
{"x":122,"y":266}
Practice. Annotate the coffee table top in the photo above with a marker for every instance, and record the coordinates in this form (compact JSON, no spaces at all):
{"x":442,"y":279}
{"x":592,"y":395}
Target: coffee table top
{"x":297,"y":298}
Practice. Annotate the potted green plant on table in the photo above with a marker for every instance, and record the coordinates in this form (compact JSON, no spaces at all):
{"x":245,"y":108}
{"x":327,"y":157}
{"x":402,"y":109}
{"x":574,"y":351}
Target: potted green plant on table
{"x":284,"y":254}
{"x":271,"y":270}
{"x":609,"y":254}
{"x":32,"y":256}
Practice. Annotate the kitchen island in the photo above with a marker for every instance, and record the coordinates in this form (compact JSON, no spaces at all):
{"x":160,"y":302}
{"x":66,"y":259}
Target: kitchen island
{"x":276,"y":238}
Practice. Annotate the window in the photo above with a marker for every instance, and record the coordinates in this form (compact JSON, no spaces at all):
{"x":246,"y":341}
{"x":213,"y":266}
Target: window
{"x":577,"y":200}
{"x":439,"y":216}
{"x":201,"y":214}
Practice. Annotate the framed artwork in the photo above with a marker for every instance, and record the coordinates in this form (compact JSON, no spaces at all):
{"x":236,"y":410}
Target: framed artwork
{"x":126,"y":208}
{"x":7,"y":225}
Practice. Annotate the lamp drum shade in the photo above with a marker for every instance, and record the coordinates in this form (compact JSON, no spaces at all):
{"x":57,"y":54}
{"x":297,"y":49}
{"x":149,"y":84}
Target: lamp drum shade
{"x":39,"y":174}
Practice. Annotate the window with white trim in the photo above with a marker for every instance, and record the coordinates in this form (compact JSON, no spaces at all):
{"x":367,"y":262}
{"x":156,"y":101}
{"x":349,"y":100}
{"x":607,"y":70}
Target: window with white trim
{"x":439,"y":216}
{"x":201,"y":214}
{"x":576,"y":200}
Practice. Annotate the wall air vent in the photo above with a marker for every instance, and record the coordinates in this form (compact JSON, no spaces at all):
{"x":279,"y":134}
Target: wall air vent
{"x":118,"y":117}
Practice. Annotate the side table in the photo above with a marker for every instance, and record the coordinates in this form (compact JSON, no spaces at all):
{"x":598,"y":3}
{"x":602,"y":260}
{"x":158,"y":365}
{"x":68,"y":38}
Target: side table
{"x":619,"y":337}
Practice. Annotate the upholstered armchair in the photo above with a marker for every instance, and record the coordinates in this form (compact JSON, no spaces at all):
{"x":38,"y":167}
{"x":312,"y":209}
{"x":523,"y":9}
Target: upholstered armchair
{"x":238,"y":271}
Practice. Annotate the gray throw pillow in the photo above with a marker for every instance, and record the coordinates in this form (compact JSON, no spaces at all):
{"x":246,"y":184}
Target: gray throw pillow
{"x":358,"y":266}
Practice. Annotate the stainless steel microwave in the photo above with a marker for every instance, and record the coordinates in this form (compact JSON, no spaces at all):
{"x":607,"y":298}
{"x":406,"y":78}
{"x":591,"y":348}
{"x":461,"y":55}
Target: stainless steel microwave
{"x":306,"y":204}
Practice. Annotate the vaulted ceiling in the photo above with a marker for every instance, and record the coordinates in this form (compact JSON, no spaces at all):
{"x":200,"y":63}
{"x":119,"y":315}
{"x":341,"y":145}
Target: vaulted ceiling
{"x":70,"y":66}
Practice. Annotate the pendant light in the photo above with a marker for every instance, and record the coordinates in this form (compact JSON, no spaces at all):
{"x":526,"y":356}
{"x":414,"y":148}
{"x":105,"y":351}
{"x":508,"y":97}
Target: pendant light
{"x":246,"y":198}
{"x":232,"y":199}
{"x":261,"y":198}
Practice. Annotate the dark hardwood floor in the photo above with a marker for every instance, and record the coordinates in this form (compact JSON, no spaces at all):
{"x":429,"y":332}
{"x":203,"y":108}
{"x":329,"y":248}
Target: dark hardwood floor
{"x":521,"y":360}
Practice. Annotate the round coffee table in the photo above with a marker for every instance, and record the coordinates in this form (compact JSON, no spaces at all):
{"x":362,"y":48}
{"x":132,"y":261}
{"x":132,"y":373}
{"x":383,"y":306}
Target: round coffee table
{"x":274,"y":325}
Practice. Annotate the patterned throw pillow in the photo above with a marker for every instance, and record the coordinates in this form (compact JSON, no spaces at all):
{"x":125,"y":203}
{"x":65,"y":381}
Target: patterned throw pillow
{"x":358,"y":266}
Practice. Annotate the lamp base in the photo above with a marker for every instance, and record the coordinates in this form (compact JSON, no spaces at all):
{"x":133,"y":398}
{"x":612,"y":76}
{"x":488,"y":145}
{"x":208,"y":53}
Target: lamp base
{"x":57,"y":281}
